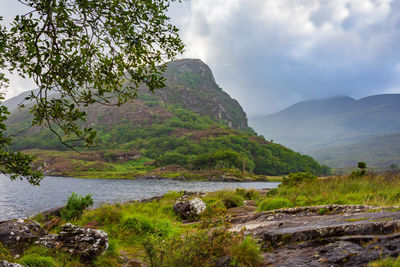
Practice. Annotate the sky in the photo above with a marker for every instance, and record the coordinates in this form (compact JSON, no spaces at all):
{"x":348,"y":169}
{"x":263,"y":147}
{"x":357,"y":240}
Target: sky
{"x":269,"y":54}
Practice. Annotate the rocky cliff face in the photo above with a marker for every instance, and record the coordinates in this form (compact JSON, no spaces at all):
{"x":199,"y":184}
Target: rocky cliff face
{"x":190,"y":84}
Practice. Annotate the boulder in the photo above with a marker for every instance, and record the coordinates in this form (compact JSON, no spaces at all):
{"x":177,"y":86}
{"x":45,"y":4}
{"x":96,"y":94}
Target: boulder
{"x":86,"y":243}
{"x":17,"y":235}
{"x":187,"y":209}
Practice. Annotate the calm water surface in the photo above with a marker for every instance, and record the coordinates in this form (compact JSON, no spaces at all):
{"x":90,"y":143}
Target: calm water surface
{"x":19,"y":199}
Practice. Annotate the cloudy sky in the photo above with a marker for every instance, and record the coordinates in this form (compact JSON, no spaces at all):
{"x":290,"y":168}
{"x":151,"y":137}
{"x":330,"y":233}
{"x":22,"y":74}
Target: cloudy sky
{"x":269,"y":54}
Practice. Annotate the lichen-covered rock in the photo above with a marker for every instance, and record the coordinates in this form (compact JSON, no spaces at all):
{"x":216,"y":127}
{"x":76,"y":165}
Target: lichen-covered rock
{"x":9,"y":264}
{"x":189,"y":208}
{"x":17,"y":235}
{"x":87,"y":243}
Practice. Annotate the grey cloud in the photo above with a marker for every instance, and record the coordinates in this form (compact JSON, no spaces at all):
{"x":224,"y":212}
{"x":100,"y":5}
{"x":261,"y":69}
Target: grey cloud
{"x":270,"y":61}
{"x":271,"y":53}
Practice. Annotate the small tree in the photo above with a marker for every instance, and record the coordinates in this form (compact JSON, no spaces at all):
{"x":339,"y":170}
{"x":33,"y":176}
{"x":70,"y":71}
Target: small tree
{"x":362,"y":166}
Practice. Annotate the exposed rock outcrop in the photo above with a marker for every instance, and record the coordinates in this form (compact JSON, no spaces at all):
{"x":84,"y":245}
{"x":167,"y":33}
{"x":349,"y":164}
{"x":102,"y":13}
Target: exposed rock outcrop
{"x":187,"y":209}
{"x":17,"y":235}
{"x":332,"y":235}
{"x":85,"y":242}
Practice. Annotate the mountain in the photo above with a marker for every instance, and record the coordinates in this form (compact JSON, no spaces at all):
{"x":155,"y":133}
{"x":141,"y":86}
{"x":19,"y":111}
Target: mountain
{"x":380,"y":151}
{"x":192,"y":123}
{"x":313,"y":126}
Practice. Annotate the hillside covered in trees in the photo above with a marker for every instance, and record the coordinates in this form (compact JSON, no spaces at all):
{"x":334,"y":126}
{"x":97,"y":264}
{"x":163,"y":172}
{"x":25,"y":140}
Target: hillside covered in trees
{"x":191,"y":123}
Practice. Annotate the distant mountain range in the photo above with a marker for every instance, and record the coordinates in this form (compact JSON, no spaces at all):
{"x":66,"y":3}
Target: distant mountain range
{"x":192,"y":122}
{"x":339,"y":131}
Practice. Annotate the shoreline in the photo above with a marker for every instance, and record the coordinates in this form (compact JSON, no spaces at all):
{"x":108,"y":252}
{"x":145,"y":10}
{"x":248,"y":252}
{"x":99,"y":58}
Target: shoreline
{"x":182,"y":178}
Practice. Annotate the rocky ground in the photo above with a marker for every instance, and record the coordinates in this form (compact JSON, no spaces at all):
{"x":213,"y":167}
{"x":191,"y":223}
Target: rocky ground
{"x":331,"y":235}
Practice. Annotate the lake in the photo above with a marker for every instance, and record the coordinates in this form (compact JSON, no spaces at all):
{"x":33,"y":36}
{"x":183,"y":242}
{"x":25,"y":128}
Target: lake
{"x":19,"y":199}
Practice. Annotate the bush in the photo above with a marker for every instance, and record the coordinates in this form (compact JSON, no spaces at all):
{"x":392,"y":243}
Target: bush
{"x":76,"y":204}
{"x":229,"y":198}
{"x":275,"y":203}
{"x":246,"y":253}
{"x":250,"y":194}
{"x":297,"y":178}
{"x":172,"y":158}
{"x":201,"y":248}
{"x":5,"y":254}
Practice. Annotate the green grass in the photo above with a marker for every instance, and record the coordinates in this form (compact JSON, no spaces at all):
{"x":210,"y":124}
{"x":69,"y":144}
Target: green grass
{"x":153,"y":233}
{"x":375,"y":190}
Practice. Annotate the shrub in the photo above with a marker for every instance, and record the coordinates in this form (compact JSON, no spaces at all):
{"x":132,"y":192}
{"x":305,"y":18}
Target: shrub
{"x":5,"y":254}
{"x":246,"y":253}
{"x":272,"y":192}
{"x":76,"y":204}
{"x":297,"y":178}
{"x":362,"y":168}
{"x":250,"y":194}
{"x":201,"y":248}
{"x":229,"y":198}
{"x":275,"y":203}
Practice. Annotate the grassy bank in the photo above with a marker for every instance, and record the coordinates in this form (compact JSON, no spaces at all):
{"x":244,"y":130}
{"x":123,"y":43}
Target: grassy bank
{"x":153,"y":233}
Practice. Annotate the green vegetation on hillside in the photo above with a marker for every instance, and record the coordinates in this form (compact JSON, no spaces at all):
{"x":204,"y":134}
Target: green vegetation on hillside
{"x":191,"y":123}
{"x":188,"y":140}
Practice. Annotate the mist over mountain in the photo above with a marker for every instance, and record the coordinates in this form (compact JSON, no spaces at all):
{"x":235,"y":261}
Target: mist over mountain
{"x":380,"y":151}
{"x":318,"y":124}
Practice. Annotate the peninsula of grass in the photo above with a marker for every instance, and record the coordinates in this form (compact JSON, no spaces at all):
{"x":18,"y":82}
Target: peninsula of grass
{"x":124,"y":165}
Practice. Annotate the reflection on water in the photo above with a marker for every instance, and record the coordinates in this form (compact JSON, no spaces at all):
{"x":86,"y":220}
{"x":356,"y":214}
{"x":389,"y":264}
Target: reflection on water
{"x":20,"y":199}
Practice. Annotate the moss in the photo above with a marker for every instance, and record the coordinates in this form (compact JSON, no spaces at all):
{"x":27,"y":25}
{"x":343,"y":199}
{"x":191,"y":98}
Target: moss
{"x":355,"y":219}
